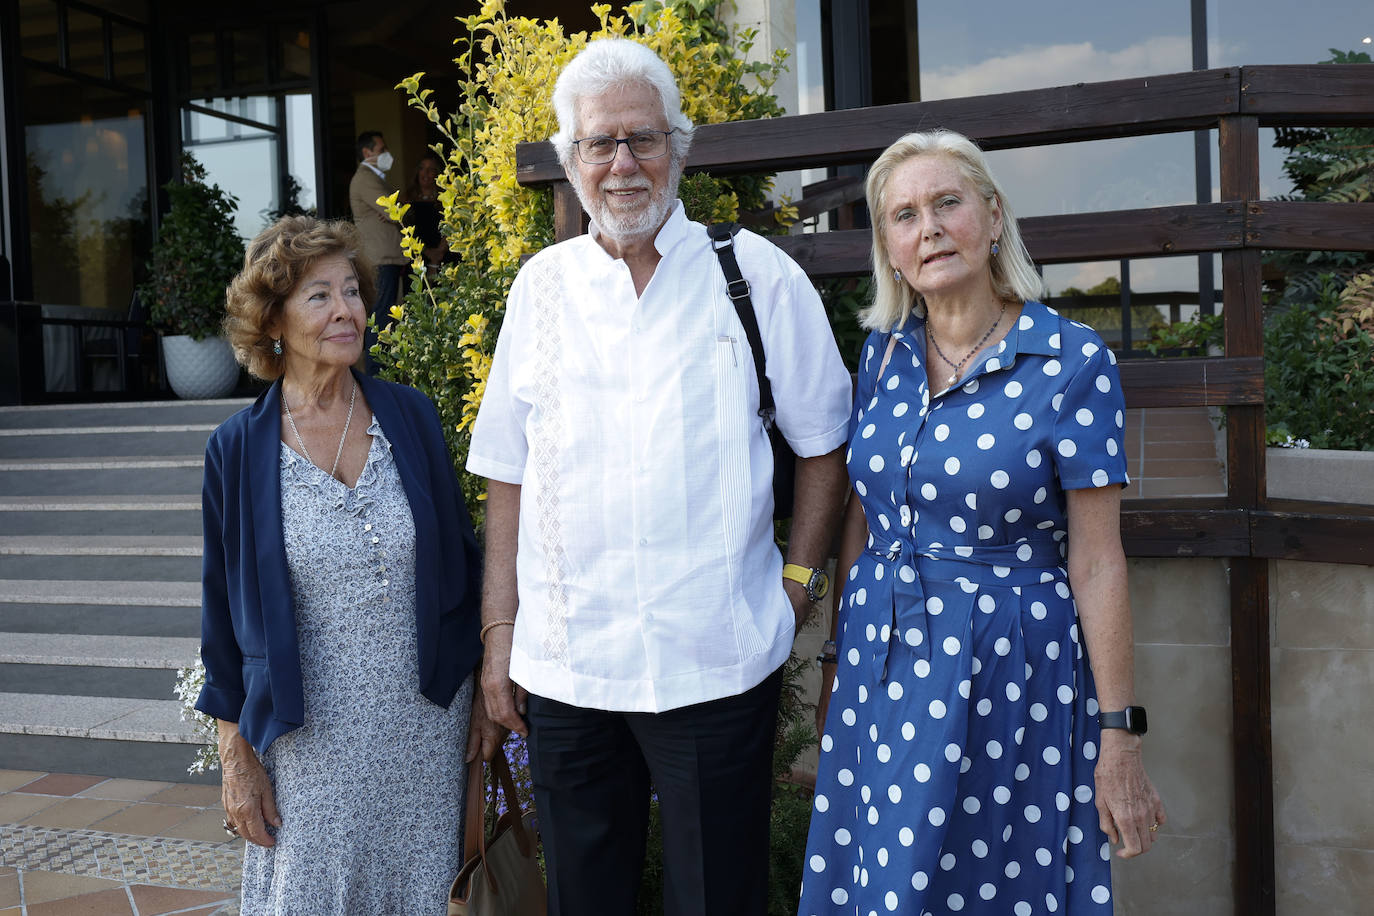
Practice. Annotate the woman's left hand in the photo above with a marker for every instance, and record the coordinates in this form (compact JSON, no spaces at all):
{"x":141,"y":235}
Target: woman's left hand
{"x":1128,"y":807}
{"x":485,"y":736}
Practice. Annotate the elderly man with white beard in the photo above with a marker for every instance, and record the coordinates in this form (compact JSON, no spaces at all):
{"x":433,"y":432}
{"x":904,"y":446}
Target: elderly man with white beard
{"x":636,"y":610}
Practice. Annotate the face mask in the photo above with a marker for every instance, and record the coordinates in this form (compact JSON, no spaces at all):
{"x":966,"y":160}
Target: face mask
{"x":385,"y":161}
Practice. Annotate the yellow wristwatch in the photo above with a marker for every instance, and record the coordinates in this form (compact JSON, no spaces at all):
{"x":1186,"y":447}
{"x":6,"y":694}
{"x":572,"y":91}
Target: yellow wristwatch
{"x":815,"y":581}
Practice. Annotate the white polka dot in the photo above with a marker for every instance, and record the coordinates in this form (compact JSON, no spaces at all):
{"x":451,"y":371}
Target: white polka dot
{"x":1089,"y":750}
{"x":1075,"y":835}
{"x":900,"y":410}
{"x":1039,"y":496}
{"x":869,"y":430}
{"x":994,"y":749}
{"x":890,"y":901}
{"x":984,"y":532}
{"x":1024,"y":324}
{"x":1042,"y":855}
{"x":905,"y":457}
{"x":842,"y":837}
{"x":921,"y":772}
{"x":936,"y":816}
{"x":1084,"y":416}
{"x":955,"y":902}
{"x":1103,"y":383}
{"x":884,"y":753}
{"x":971,"y":386}
{"x":1051,"y":755}
{"x":1061,"y":801}
{"x":1013,"y":390}
{"x":1001,"y":795}
{"x":908,"y":731}
{"x":845,"y":776}
{"x":894,"y":690}
{"x":817,"y":864}
{"x":975,"y":410}
{"x":841,"y":896}
{"x":1022,"y":908}
{"x":1013,"y":692}
{"x":928,"y":490}
{"x":1051,"y":903}
{"x":921,"y":668}
{"x":1012,"y":515}
{"x":906,"y":574}
{"x":1089,"y":348}
{"x":952,"y":753}
{"x":1100,"y":478}
{"x":849,"y":719}
{"x":986,"y":441}
{"x":894,"y":793}
{"x":1038,"y":712}
{"x":1067,"y":448}
{"x":958,"y":525}
{"x":951,"y":645}
{"x":941,"y":433}
{"x":1024,"y":553}
{"x":947,"y":861}
{"x":1012,"y":870}
{"x":1022,"y":421}
{"x":1101,"y":894}
{"x":1112,"y":447}
{"x":1120,"y":420}
{"x":1051,"y":367}
{"x":987,"y":604}
{"x":893,"y":381}
{"x":822,"y":804}
{"x":987,"y":891}
{"x":905,"y":836}
{"x":1038,"y":610}
{"x":1056,"y":401}
{"x":919,"y":881}
{"x":951,"y":465}
{"x":984,"y":706}
{"x":876,"y":463}
{"x":1000,"y":479}
{"x":913,"y":636}
{"x":1022,"y":772}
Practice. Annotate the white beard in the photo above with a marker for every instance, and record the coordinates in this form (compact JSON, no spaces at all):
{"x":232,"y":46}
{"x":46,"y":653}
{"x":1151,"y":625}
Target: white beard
{"x":637,"y":225}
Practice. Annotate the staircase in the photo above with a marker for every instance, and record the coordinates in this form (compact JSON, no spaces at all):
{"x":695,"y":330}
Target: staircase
{"x":100,"y":547}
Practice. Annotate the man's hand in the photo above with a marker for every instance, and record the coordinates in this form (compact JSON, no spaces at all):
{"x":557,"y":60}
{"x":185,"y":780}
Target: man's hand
{"x":801,"y":604}
{"x":504,"y":699}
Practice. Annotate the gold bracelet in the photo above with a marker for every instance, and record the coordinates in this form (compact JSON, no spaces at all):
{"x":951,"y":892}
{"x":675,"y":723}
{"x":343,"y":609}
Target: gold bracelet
{"x":495,"y":623}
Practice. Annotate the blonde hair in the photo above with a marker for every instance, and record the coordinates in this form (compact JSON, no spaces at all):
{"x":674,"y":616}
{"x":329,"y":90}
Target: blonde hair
{"x":1013,"y":273}
{"x":275,"y":262}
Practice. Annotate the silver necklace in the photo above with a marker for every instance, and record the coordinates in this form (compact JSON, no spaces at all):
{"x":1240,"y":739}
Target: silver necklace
{"x":954,"y":376}
{"x":344,"y":435}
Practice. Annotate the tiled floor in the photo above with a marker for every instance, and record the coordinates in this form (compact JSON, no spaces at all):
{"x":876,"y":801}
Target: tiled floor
{"x":89,"y":846}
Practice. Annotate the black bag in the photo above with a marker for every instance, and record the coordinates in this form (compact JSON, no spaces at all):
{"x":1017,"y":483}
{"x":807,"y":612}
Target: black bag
{"x":784,"y":460}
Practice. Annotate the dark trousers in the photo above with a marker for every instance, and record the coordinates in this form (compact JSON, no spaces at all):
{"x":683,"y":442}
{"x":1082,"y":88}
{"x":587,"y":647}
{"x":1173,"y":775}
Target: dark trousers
{"x":711,"y":765}
{"x":388,"y":285}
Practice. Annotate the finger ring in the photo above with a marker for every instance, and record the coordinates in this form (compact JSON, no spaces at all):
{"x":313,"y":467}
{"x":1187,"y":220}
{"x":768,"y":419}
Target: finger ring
{"x":1154,"y":827}
{"x":229,"y":828}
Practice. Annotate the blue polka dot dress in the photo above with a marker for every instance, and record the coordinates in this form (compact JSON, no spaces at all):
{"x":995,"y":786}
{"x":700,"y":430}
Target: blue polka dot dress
{"x":956,"y":769}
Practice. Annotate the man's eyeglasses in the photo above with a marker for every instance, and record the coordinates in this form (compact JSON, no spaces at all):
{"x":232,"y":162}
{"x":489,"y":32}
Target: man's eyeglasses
{"x":644,"y":144}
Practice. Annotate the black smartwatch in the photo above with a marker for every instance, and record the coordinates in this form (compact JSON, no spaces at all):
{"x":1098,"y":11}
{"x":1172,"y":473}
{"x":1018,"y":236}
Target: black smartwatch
{"x":1131,"y":719}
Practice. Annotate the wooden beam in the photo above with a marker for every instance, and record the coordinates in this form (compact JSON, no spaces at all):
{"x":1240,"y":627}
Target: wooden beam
{"x":1315,"y":534}
{"x":1310,"y":225}
{"x":1083,"y":111}
{"x":1209,"y":382}
{"x":1310,"y":95}
{"x":1185,"y":532}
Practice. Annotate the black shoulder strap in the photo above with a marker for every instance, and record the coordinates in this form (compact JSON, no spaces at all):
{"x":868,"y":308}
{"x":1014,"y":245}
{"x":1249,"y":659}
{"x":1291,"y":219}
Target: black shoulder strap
{"x":723,"y":241}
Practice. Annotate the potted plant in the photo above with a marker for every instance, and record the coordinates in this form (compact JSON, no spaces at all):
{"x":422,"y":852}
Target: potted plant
{"x":198,"y":251}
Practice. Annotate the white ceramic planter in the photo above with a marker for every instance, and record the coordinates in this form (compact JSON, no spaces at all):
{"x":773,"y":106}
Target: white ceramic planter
{"x":198,"y":369}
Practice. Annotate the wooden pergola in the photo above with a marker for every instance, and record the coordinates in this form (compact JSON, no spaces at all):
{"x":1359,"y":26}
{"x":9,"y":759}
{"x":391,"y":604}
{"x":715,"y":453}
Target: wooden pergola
{"x":1244,"y":527}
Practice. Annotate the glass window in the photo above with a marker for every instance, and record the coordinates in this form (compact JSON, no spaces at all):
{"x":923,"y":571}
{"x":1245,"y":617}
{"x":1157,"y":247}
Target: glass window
{"x":250,"y":57}
{"x":300,"y":138}
{"x":130,"y":55}
{"x":294,"y":45}
{"x":85,"y":43}
{"x":87,"y":183}
{"x":38,"y":30}
{"x":202,"y":63}
{"x":239,"y":149}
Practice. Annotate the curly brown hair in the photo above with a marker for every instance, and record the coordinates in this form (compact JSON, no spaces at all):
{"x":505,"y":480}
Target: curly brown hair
{"x":274,"y":264}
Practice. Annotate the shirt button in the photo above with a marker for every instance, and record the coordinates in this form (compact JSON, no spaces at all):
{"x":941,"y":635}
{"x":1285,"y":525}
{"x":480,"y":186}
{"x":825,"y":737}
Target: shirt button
{"x":386,"y":582}
{"x":382,"y":568}
{"x":375,"y":540}
{"x":367,"y":527}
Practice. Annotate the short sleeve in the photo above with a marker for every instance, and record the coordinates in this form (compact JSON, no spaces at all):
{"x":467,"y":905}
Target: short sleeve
{"x":499,"y":447}
{"x":870,"y":358}
{"x":1089,"y":425}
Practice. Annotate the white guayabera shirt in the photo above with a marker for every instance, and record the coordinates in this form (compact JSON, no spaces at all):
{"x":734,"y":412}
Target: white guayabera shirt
{"x":647,"y":574}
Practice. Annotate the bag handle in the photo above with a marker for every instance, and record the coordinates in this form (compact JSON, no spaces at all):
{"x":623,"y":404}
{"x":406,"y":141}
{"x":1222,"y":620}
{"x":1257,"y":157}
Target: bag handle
{"x":723,"y":243}
{"x":475,"y":828}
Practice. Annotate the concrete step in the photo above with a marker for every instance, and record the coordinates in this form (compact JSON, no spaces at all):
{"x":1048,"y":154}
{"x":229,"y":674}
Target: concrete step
{"x":93,"y":515}
{"x":133,"y":413}
{"x":108,"y":593}
{"x":81,"y":680}
{"x":91,"y":566}
{"x":99,"y":619}
{"x":177,"y":475}
{"x":157,"y":652}
{"x":124,"y":737}
{"x":105,"y":441}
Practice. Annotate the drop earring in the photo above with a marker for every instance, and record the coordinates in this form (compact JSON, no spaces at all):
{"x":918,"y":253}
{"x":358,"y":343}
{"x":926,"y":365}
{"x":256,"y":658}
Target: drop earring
{"x":276,"y":346}
{"x":897,"y":275}
{"x":995,"y":247}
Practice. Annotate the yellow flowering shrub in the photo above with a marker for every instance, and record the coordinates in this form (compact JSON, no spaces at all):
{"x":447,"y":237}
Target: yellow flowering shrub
{"x":443,"y":331}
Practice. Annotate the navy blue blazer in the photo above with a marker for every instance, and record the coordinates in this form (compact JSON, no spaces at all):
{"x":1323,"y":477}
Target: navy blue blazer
{"x":248,"y":624}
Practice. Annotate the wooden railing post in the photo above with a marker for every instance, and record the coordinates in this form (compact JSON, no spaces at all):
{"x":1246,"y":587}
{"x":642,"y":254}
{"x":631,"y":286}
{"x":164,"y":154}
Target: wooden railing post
{"x":567,"y":212}
{"x":1252,"y":744}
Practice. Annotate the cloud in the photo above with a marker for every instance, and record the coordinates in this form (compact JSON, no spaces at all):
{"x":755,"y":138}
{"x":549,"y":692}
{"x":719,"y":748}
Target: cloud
{"x":1059,"y":65}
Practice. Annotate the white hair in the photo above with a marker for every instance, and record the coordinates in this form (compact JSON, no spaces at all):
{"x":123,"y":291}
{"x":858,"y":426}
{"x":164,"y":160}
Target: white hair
{"x":1013,"y":273}
{"x":603,"y":66}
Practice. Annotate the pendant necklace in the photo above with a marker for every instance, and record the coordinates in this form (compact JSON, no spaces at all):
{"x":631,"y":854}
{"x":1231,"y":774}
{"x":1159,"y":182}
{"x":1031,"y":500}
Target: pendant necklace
{"x":957,"y":367}
{"x":344,"y":435}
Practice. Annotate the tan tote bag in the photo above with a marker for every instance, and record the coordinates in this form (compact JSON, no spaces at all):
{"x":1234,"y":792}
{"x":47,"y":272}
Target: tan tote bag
{"x":501,"y":876}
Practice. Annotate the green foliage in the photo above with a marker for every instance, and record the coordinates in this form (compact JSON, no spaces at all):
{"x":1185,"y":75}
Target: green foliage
{"x":1145,"y":319}
{"x":198,"y":251}
{"x":441,"y":335}
{"x":843,"y":299}
{"x":1334,"y":164}
{"x":1319,"y":374}
{"x":1194,"y":337}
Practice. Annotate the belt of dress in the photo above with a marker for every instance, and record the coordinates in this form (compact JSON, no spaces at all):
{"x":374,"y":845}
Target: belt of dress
{"x":903,"y":564}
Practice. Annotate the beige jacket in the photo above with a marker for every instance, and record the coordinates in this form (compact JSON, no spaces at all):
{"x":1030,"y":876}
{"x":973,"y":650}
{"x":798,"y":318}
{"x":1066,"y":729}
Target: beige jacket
{"x":380,"y":236}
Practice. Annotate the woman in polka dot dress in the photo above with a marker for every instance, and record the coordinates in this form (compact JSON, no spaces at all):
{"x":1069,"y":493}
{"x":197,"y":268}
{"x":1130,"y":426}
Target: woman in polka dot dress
{"x":962,"y":767}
